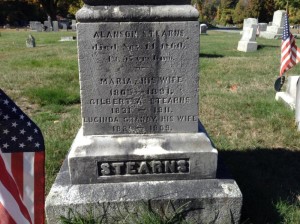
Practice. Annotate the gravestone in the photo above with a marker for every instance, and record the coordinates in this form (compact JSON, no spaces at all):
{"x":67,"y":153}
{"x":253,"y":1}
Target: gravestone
{"x":30,"y":41}
{"x":47,"y":26}
{"x":64,"y":26}
{"x":248,"y":41}
{"x":262,"y":27}
{"x":39,"y":26}
{"x":32,"y":25}
{"x":55,"y":26}
{"x":248,"y":23}
{"x":73,"y":25}
{"x":69,"y":38}
{"x":141,"y":139}
{"x":203,"y":29}
{"x":289,"y":96}
{"x":276,"y":29}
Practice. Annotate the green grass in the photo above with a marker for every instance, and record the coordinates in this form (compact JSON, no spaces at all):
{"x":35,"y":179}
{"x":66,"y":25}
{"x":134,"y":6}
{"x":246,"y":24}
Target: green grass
{"x":256,"y":136}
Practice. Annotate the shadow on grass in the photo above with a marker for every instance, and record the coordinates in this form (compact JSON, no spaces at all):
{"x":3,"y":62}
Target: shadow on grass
{"x":261,"y":46}
{"x":211,"y":55}
{"x":266,"y":177}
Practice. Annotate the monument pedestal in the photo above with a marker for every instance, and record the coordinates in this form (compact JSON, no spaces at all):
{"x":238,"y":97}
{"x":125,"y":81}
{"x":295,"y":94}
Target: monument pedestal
{"x":247,"y":46}
{"x":215,"y":200}
{"x":140,"y":141}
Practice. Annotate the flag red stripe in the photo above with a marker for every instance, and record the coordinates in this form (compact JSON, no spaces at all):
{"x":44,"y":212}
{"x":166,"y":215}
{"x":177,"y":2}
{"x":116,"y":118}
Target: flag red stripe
{"x":5,"y":217}
{"x":39,"y":187}
{"x":17,"y":170}
{"x":11,"y":186}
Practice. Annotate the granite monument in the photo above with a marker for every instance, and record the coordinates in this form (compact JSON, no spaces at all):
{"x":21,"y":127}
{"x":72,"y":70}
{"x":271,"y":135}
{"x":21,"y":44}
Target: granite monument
{"x":248,"y":41}
{"x":141,"y":138}
{"x":276,"y":29}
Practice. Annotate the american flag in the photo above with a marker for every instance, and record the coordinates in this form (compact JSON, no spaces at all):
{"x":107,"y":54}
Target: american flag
{"x":22,"y":166}
{"x":290,"y":53}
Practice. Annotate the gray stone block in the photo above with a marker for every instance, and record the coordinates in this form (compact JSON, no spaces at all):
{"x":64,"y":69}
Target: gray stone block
{"x":139,"y":77}
{"x":136,"y":2}
{"x":137,"y":13}
{"x":247,"y":46}
{"x":96,"y":159}
{"x":55,"y":26}
{"x":204,"y":201}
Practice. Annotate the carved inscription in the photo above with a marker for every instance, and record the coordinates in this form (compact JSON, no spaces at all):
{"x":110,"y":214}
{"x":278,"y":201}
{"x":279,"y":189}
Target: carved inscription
{"x":141,"y":79}
{"x":143,"y":167}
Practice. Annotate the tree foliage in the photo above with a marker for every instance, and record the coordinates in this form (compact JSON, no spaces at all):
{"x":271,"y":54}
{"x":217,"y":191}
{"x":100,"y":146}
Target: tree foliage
{"x":235,"y":11}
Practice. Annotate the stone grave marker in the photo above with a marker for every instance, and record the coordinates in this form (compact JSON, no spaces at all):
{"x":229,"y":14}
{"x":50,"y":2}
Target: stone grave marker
{"x":55,"y":26}
{"x":276,"y":29}
{"x":30,"y":41}
{"x":39,"y":26}
{"x":141,"y":138}
{"x":68,"y":38}
{"x":248,"y":23}
{"x":73,"y":25}
{"x":203,"y":29}
{"x":32,"y":25}
{"x":248,"y":41}
{"x":289,"y":95}
{"x":262,"y":27}
{"x":64,"y":26}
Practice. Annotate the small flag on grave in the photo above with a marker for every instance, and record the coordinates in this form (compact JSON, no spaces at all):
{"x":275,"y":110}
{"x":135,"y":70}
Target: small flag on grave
{"x":290,"y":53}
{"x":22,"y":166}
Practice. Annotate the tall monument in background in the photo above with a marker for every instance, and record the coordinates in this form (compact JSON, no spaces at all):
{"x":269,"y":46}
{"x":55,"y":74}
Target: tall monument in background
{"x":141,"y":139}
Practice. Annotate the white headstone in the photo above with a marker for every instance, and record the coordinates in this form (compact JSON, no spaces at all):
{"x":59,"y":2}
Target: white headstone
{"x":278,"y":18}
{"x":289,"y":96}
{"x":247,"y":42}
{"x":203,"y":29}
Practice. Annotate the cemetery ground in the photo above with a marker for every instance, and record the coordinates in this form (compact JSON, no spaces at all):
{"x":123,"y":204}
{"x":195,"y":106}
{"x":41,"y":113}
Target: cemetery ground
{"x":255,"y":135}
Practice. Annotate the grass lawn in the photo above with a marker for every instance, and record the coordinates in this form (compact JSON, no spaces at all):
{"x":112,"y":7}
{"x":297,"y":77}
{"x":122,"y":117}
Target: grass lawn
{"x":256,"y":136}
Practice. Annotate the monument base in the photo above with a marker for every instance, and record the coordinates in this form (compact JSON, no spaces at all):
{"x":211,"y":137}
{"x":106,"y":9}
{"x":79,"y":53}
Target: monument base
{"x":148,"y":157}
{"x":270,"y":35}
{"x":199,"y":201}
{"x":247,"y":46}
{"x":289,"y":96}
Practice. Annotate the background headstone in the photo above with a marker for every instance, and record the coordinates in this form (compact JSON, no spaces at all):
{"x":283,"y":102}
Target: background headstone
{"x":262,"y":27}
{"x":64,"y":26}
{"x":55,"y":26}
{"x":248,"y":41}
{"x":39,"y":26}
{"x":73,"y":25}
{"x":203,"y":29}
{"x":32,"y":25}
{"x":248,"y":23}
{"x":289,"y":96}
{"x":30,"y":41}
{"x":276,"y":29}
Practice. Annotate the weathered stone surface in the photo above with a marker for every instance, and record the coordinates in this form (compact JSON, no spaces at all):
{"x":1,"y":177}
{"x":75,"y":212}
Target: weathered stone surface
{"x":247,"y":42}
{"x":203,"y":29}
{"x":276,"y":28}
{"x":136,"y":2}
{"x":30,"y":41}
{"x":289,"y":96}
{"x":278,"y":18}
{"x":139,"y":78}
{"x":249,"y":22}
{"x":55,"y":26}
{"x":96,"y":159}
{"x":206,"y":201}
{"x":137,"y":13}
{"x":39,"y":26}
{"x":262,"y":27}
{"x":247,"y":46}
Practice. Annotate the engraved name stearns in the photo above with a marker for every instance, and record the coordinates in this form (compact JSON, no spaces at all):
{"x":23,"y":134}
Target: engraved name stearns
{"x":178,"y":166}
